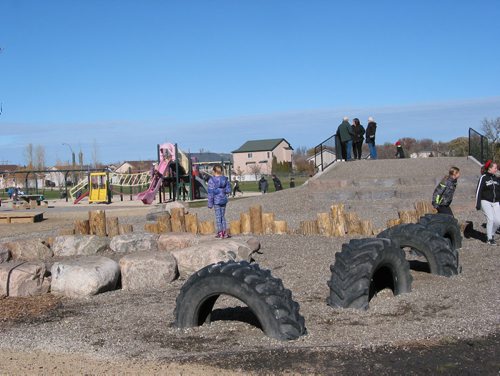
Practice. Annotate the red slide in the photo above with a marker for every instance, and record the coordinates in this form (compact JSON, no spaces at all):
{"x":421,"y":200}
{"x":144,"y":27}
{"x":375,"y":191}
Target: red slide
{"x":82,"y":196}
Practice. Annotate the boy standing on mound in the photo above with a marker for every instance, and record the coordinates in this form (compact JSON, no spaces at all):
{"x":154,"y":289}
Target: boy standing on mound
{"x":218,"y":190}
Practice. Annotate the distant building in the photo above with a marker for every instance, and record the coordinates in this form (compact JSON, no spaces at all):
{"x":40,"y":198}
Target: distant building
{"x":328,"y":158}
{"x":206,"y":161}
{"x":427,"y":154}
{"x":7,"y":176}
{"x":255,"y":158}
{"x":135,"y":166}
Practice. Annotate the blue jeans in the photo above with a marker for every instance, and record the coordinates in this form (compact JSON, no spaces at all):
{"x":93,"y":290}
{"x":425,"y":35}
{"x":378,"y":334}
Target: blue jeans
{"x":373,"y":150}
{"x":220,"y":220}
{"x":349,"y":149}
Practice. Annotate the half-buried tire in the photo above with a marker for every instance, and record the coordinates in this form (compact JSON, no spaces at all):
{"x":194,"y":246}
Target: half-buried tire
{"x":441,"y":256}
{"x":264,"y":295}
{"x":364,"y":267}
{"x":445,"y":225}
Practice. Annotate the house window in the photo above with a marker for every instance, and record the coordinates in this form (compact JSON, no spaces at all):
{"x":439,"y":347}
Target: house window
{"x":269,"y":154}
{"x":249,"y":155}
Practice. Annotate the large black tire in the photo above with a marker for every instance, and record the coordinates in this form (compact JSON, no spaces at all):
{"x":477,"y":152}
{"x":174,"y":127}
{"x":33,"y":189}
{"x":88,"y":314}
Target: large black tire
{"x":264,"y":295}
{"x":445,"y":225}
{"x":362,"y":268}
{"x":441,"y":256}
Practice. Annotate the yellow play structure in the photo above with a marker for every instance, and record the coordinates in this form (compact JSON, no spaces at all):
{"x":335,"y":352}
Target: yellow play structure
{"x":99,"y":189}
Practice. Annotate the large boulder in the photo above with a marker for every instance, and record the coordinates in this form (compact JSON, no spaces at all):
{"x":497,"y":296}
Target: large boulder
{"x":84,"y":276}
{"x":191,"y":259}
{"x":148,"y":270}
{"x":19,"y":278}
{"x":79,"y":245}
{"x":134,"y":242}
{"x":158,"y":211}
{"x":179,"y":240}
{"x":28,"y":250}
{"x":4,"y":253}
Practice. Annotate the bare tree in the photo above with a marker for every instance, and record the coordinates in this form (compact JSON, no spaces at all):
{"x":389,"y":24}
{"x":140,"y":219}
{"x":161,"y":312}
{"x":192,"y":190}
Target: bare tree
{"x":491,"y":129}
{"x":28,"y":155}
{"x":40,"y":157}
{"x":255,"y":169}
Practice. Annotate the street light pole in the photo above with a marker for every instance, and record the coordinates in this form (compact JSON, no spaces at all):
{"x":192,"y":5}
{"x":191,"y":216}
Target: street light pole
{"x":73,"y":161}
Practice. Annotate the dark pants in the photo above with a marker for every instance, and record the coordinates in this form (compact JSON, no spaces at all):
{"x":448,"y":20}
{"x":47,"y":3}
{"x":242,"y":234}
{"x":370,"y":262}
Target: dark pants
{"x":356,"y":147}
{"x":343,"y":149}
{"x":445,"y":210}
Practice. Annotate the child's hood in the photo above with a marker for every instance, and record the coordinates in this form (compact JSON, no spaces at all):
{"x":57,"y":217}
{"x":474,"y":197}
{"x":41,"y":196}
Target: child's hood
{"x":220,"y":181}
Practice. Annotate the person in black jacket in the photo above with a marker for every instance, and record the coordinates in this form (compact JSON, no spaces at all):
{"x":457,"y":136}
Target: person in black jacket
{"x":344,"y":132}
{"x":443,"y":194}
{"x":358,"y":132}
{"x":263,"y":184}
{"x":488,"y":197}
{"x":371,"y":129}
{"x":400,"y":153}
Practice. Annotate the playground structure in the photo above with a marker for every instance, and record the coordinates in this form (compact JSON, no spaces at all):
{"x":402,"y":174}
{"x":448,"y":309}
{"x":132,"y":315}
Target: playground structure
{"x":175,"y":176}
{"x":179,"y":174}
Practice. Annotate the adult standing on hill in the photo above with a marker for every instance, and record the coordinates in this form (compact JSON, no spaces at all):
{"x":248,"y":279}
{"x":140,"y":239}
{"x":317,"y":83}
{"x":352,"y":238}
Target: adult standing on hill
{"x":357,"y":139}
{"x":371,"y":129}
{"x":344,"y":131}
{"x":487,"y":197}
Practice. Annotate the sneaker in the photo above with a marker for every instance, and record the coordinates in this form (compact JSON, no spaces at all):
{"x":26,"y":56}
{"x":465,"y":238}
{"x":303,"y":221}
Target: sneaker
{"x":491,"y":242}
{"x":225,"y":235}
{"x":219,"y":235}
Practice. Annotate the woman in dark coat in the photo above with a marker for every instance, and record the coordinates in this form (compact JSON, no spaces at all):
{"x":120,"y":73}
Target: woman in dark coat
{"x":358,"y":132}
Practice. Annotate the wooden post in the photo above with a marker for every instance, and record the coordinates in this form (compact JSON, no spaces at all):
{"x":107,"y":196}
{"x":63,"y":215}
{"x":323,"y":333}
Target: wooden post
{"x":325,"y":224}
{"x":353,"y":224}
{"x":246,"y":227}
{"x":191,"y":223}
{"x":309,"y":227}
{"x":367,"y":228}
{"x":66,"y":231}
{"x":152,"y":228}
{"x":268,"y":223}
{"x":82,"y":227}
{"x":424,"y":207}
{"x":112,"y":226}
{"x":125,"y":228}
{"x":338,"y":221}
{"x":178,"y":220}
{"x":207,"y":227}
{"x":393,"y":222}
{"x":280,"y":227}
{"x":408,"y":216}
{"x":97,"y":219}
{"x":256,"y":219}
{"x":164,"y":224}
{"x":235,"y":227}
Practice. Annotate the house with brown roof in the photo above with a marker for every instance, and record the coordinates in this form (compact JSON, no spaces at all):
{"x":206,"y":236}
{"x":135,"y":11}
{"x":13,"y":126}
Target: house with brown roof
{"x":134,"y":167}
{"x":255,"y":158}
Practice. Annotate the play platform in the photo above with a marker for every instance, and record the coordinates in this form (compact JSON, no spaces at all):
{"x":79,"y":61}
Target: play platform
{"x":20,"y":217}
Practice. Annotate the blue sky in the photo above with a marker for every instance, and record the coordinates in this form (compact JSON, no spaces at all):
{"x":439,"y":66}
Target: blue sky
{"x":120,"y":76}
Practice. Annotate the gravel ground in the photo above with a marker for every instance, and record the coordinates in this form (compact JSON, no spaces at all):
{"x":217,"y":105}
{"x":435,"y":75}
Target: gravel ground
{"x":440,"y":314}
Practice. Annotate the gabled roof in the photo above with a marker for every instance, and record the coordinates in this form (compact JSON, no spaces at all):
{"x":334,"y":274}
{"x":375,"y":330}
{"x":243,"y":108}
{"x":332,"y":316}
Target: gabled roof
{"x":211,"y":157}
{"x":9,"y":167}
{"x":260,"y":145}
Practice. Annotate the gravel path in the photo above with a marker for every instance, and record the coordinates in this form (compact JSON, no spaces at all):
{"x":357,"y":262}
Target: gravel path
{"x":132,"y":327}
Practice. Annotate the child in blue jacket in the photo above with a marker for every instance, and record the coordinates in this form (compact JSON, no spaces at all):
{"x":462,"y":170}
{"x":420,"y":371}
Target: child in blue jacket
{"x":218,"y":190}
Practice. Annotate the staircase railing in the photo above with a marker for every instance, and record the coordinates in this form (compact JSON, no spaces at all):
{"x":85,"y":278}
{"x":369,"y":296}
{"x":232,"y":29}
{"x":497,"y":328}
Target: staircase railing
{"x":478,"y":146}
{"x":325,"y":154}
